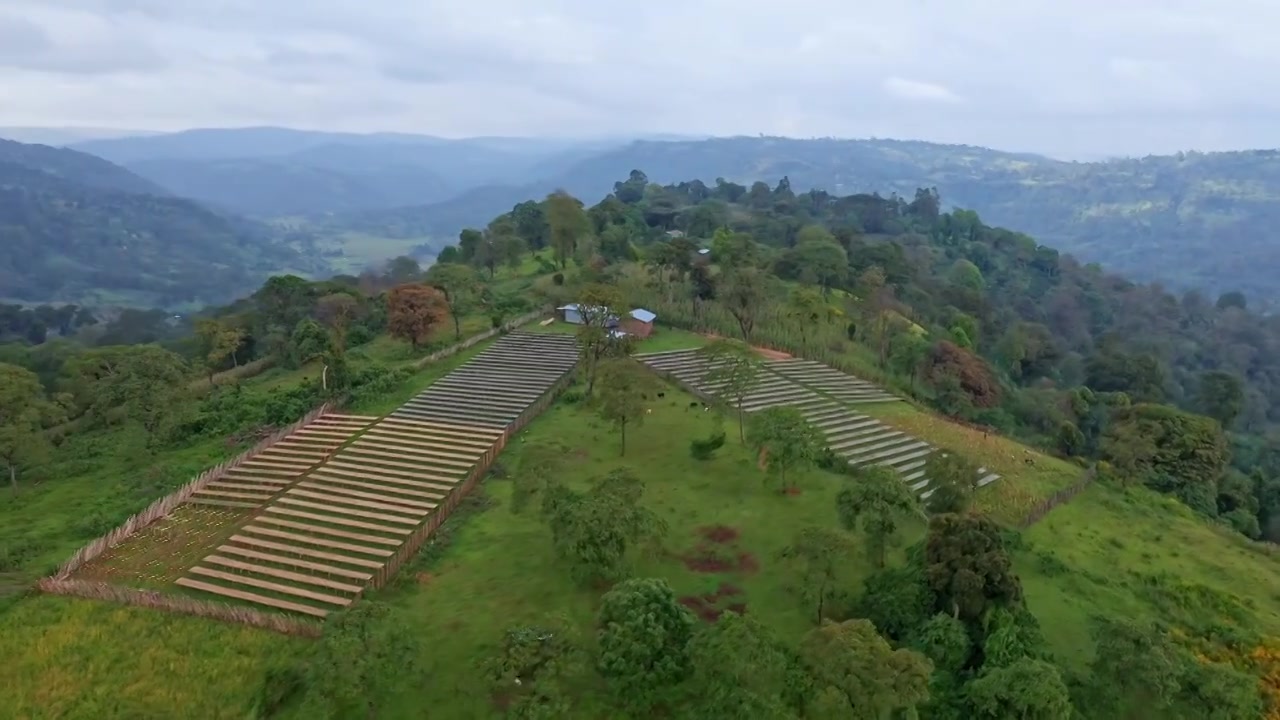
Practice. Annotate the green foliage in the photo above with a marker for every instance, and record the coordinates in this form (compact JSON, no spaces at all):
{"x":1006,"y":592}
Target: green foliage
{"x":1220,"y":395}
{"x":850,"y":661}
{"x":592,"y":531}
{"x":705,"y":448}
{"x":118,"y":384}
{"x":953,"y":479}
{"x":644,"y":636}
{"x":740,"y":670}
{"x":1031,"y":689}
{"x":814,"y":560}
{"x":23,"y":410}
{"x":897,"y":599}
{"x":358,"y":662}
{"x":624,"y":387}
{"x":534,"y":666}
{"x":785,"y":440}
{"x":733,"y":370}
{"x":967,"y":567}
{"x":876,"y":500}
{"x":1170,"y":450}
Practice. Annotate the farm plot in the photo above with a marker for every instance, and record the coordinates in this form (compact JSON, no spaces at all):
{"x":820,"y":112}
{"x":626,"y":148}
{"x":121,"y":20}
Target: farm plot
{"x":259,"y":479}
{"x":841,"y":386}
{"x":317,"y":546}
{"x":861,"y":439}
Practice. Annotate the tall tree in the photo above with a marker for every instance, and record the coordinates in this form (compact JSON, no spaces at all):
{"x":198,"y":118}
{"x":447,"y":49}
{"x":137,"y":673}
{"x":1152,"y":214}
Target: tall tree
{"x":876,"y":500}
{"x":1029,"y":688}
{"x":536,"y":666}
{"x":740,"y":670}
{"x":598,"y":306}
{"x":460,"y":287}
{"x":567,"y":223}
{"x":360,"y":661}
{"x":624,"y":386}
{"x":414,"y":312}
{"x":219,"y":341}
{"x":531,"y":224}
{"x":968,"y":568}
{"x":337,"y":311}
{"x":592,"y":531}
{"x":22,"y":409}
{"x":814,"y":559}
{"x":953,"y":478}
{"x":785,"y":440}
{"x":1220,"y":395}
{"x":139,"y":383}
{"x":820,"y":261}
{"x":744,"y":293}
{"x":870,"y":680}
{"x":733,"y":369}
{"x":644,"y":635}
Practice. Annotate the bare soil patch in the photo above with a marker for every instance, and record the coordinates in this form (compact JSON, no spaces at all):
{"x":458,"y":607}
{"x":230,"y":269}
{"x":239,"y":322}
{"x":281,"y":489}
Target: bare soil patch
{"x":709,"y":607}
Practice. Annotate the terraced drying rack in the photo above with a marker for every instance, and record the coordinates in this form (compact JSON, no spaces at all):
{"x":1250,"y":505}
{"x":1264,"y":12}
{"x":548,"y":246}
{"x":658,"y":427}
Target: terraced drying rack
{"x":827,"y":398}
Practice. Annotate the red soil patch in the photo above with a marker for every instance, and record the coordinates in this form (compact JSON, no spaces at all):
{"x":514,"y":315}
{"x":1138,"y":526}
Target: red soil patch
{"x":719,"y":533}
{"x":717,"y":552}
{"x":767,"y":353}
{"x":792,"y":491}
{"x":711,"y":606}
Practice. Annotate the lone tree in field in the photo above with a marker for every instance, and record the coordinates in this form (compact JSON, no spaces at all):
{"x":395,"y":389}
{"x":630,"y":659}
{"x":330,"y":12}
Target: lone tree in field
{"x":785,"y":440}
{"x":624,"y":385}
{"x":359,"y":660}
{"x":876,"y":499}
{"x":22,"y":407}
{"x":954,"y":478}
{"x":733,"y":370}
{"x":592,"y":531}
{"x":460,"y":287}
{"x":814,"y":559}
{"x":597,"y":304}
{"x":414,"y":311}
{"x":644,"y":642}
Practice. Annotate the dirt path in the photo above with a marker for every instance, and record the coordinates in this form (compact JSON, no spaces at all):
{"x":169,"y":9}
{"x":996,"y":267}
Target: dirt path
{"x":767,"y":353}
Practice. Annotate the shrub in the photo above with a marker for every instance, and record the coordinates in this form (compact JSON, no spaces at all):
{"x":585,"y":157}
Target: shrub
{"x":558,"y":278}
{"x":279,"y":686}
{"x":704,"y":448}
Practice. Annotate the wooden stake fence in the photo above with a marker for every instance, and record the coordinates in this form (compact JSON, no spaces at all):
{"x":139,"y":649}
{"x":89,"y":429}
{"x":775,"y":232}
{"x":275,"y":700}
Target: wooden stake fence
{"x":182,"y":604}
{"x":1064,"y":495}
{"x":168,"y":503}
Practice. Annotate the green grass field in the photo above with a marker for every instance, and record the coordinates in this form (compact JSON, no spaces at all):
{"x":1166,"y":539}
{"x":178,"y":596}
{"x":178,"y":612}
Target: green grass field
{"x":1125,"y":553}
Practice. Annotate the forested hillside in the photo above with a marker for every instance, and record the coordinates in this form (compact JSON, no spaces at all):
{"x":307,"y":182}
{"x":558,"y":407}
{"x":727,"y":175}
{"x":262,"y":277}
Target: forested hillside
{"x":1194,"y":220}
{"x":637,"y":552}
{"x":1015,"y":335}
{"x":75,"y":228}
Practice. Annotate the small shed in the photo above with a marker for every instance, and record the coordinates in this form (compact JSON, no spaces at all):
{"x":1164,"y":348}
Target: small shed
{"x":572,"y":314}
{"x":640,"y":323}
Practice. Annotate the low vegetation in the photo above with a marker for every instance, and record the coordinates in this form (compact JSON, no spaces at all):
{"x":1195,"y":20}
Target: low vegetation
{"x":638,"y":551}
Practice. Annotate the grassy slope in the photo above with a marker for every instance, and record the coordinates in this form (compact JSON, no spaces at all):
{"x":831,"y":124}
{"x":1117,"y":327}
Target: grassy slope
{"x":1100,"y":554}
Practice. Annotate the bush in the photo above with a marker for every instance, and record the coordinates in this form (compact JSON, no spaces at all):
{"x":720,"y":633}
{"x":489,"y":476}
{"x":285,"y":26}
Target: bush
{"x":704,"y":448}
{"x":573,"y":397}
{"x":280,"y":685}
{"x":558,"y":278}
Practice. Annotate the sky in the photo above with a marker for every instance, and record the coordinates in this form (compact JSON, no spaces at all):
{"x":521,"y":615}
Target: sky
{"x":1082,"y":79}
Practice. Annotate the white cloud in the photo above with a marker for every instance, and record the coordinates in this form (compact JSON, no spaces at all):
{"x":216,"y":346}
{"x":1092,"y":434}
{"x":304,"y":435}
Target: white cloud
{"x":1086,"y":77}
{"x":917,"y":90}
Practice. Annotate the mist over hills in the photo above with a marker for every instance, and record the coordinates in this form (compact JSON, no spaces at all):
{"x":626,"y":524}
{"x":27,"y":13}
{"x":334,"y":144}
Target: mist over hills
{"x":1190,"y":221}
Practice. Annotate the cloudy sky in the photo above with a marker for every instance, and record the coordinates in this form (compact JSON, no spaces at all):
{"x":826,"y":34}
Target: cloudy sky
{"x":1079,"y":79}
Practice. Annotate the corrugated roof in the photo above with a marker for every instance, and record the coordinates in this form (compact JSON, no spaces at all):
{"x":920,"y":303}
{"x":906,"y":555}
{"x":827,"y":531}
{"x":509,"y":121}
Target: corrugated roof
{"x":643,"y":315}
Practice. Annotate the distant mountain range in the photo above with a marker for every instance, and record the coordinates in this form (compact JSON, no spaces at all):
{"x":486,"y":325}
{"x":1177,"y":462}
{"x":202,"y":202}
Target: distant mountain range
{"x":1195,"y":220}
{"x":76,"y":228}
{"x":1190,"y":221}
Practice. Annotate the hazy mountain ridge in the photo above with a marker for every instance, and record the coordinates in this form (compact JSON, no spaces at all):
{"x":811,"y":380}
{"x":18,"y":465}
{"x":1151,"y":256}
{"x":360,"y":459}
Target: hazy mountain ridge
{"x":75,"y":228}
{"x":1193,"y":220}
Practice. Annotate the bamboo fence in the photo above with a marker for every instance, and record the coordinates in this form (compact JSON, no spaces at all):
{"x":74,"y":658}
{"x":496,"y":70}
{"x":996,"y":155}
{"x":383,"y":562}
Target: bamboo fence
{"x":1065,"y":495}
{"x":168,"y":503}
{"x":181,"y":604}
